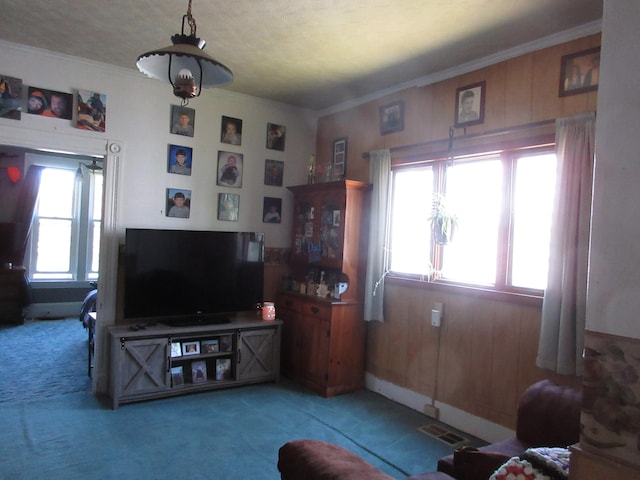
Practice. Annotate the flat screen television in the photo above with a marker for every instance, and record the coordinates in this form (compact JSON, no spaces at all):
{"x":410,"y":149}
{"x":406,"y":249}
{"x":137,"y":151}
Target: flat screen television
{"x":189,"y":277}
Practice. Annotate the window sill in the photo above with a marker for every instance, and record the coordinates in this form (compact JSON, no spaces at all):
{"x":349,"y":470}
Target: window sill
{"x":484,"y":293}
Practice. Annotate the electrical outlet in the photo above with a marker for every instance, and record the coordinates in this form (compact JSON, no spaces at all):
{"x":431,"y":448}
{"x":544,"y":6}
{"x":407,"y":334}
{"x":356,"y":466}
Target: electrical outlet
{"x":431,"y":411}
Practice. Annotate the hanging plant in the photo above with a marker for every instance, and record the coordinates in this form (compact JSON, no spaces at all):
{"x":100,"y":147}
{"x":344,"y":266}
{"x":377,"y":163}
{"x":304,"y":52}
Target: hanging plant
{"x":444,"y":223}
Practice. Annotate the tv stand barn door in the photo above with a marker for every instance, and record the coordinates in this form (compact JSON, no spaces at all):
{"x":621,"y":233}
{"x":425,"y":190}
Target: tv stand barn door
{"x":161,"y":361}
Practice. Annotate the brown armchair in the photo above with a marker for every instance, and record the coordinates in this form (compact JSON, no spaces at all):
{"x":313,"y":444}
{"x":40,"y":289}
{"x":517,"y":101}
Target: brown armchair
{"x":548,"y":416}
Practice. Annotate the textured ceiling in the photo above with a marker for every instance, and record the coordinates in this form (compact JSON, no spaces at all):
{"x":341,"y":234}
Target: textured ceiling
{"x":309,"y":53}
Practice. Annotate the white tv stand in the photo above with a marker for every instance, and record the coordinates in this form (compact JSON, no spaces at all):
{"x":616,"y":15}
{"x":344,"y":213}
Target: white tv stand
{"x":143,"y":366}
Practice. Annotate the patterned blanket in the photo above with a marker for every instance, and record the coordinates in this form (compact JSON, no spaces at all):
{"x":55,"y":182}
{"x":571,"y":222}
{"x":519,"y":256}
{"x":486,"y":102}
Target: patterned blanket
{"x":541,"y":463}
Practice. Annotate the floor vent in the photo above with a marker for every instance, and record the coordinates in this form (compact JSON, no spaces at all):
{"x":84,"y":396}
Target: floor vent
{"x":443,"y":434}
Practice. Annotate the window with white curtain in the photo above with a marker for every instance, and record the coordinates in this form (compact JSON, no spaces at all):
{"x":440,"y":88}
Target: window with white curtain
{"x":503,"y":202}
{"x":64,"y":244}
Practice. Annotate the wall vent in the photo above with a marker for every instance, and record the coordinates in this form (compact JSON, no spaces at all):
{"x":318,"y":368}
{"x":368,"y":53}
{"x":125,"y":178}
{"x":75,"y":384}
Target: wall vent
{"x":443,"y":434}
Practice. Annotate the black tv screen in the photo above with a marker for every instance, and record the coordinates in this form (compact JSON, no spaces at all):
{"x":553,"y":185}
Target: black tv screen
{"x":189,"y":277}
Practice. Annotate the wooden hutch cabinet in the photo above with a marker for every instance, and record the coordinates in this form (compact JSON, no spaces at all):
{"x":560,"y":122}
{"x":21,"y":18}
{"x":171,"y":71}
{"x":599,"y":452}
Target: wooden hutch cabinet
{"x":323,"y":336}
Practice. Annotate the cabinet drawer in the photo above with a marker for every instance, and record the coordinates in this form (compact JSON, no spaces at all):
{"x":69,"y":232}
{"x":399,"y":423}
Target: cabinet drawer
{"x":314,"y":309}
{"x":289,"y":302}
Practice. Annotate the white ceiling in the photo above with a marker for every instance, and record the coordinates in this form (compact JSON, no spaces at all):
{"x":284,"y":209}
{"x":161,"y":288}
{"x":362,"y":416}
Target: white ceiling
{"x":309,"y":53}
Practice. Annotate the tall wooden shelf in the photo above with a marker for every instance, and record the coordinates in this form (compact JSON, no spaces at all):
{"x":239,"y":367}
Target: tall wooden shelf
{"x":323,"y":338}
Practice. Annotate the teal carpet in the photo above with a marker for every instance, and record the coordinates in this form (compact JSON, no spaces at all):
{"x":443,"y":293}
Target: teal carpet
{"x":51,"y":428}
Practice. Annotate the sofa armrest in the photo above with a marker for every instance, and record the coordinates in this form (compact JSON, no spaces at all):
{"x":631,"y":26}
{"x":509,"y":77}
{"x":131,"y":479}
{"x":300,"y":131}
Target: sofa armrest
{"x":316,"y":460}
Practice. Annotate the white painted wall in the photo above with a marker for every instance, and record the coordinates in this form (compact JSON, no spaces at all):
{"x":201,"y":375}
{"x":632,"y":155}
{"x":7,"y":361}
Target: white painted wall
{"x":136,"y":178}
{"x":613,"y":302}
{"x":138,"y":118}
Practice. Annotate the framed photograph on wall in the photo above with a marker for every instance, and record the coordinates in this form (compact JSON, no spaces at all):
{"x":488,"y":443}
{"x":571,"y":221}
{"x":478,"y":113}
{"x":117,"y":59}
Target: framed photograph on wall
{"x":271,"y":210}
{"x":470,"y":104}
{"x":231,"y":131}
{"x":179,"y":159}
{"x":92,"y":111}
{"x":183,"y":120}
{"x":178,"y":203}
{"x":392,"y":118}
{"x":228,"y":206}
{"x":580,"y":72}
{"x":276,"y":135}
{"x":339,"y":158}
{"x":49,"y":103}
{"x":273,"y":172}
{"x":230,"y":169}
{"x":11,"y":98}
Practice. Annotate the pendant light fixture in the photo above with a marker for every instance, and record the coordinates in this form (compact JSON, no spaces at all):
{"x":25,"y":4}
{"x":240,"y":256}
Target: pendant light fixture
{"x":187,"y":67}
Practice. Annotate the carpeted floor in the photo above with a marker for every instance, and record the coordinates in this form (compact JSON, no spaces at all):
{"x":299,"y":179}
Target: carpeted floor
{"x":53,"y":427}
{"x":43,"y":358}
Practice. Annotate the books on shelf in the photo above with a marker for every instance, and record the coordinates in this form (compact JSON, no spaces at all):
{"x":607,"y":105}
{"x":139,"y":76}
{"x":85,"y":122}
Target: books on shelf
{"x":199,"y":371}
{"x":223,"y":369}
{"x":177,"y":376}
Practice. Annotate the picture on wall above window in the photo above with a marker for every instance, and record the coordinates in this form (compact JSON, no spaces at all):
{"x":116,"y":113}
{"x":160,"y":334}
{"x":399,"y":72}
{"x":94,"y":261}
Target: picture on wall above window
{"x":276,"y":135}
{"x":92,"y":111}
{"x":231,"y":131}
{"x":339,"y":158}
{"x":183,"y":120}
{"x":273,"y":172}
{"x":580,"y":72}
{"x":470,"y":105}
{"x":179,"y":159}
{"x":230,"y":169}
{"x":228,"y":206}
{"x":392,"y":118}
{"x":49,"y":103}
{"x":178,"y":203}
{"x":10,"y":97}
{"x":272,"y":210}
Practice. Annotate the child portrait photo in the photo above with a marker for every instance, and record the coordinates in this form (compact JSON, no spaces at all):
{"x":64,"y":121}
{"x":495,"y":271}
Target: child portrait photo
{"x":276,"y":135}
{"x":230,"y":169}
{"x":271,"y":210}
{"x":273,"y":170}
{"x":183,"y":120}
{"x":178,"y":203}
{"x":231,"y":131}
{"x":179,"y":160}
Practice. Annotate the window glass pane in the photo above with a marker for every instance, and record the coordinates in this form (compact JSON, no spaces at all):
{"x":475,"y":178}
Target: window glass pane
{"x":54,"y":245}
{"x":410,"y":230}
{"x":474,"y":193}
{"x":95,"y":248}
{"x":55,"y":198}
{"x":97,"y":196}
{"x":533,"y":203}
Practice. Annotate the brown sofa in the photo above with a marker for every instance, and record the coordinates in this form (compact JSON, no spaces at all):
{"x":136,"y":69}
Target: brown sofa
{"x":316,"y":460}
{"x":548,"y":415}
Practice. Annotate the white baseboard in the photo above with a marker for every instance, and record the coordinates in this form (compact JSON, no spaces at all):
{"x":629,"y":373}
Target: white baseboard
{"x":53,"y":310}
{"x":463,"y":421}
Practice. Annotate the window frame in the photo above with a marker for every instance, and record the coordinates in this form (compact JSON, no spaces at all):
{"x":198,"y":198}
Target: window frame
{"x":508,"y":152}
{"x":82,"y":222}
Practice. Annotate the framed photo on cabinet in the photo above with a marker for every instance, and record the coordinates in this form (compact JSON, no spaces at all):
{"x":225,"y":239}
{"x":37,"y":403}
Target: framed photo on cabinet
{"x":470,"y":104}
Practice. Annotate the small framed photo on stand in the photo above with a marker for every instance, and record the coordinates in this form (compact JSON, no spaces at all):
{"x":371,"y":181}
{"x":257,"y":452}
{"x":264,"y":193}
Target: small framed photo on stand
{"x":176,"y":349}
{"x":199,"y":371}
{"x":177,"y":376}
{"x":223,"y":369}
{"x":210,"y":346}
{"x":191,"y":348}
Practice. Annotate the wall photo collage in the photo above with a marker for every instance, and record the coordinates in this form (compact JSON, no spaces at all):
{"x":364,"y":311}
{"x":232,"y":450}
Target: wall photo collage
{"x":230,"y":166}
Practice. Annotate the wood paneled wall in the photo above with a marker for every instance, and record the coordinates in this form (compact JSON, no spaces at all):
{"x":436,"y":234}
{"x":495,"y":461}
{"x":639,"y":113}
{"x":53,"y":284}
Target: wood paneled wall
{"x":483,"y":356}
